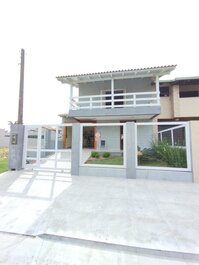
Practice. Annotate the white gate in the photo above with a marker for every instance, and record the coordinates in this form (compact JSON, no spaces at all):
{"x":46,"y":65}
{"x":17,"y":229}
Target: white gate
{"x":47,"y":147}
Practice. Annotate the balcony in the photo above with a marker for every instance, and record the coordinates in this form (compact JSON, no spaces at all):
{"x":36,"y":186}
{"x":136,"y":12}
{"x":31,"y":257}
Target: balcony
{"x":117,"y":104}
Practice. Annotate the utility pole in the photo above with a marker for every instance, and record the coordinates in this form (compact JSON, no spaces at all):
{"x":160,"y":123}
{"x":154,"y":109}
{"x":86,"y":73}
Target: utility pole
{"x":21,"y":88}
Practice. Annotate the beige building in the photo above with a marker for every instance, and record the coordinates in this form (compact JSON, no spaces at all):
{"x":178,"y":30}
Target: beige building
{"x":179,"y":99}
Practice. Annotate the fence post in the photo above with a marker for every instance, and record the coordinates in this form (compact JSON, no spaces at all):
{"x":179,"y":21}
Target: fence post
{"x":76,"y":142}
{"x":172,"y":138}
{"x":130,"y":150}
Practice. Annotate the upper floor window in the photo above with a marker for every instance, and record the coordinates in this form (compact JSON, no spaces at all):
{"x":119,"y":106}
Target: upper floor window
{"x":164,"y":91}
{"x":117,"y":98}
{"x":188,"y":94}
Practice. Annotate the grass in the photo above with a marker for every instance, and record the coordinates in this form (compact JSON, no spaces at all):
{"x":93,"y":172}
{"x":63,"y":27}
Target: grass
{"x":153,"y":163}
{"x":3,"y":165}
{"x":118,"y":160}
{"x":113,"y":160}
{"x":3,"y":160}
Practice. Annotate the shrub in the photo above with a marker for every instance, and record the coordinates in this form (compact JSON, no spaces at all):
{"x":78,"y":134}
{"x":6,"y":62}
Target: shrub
{"x":148,"y":154}
{"x":106,"y":154}
{"x":175,"y":156}
{"x":97,"y":155}
{"x":4,"y":152}
{"x":94,"y":154}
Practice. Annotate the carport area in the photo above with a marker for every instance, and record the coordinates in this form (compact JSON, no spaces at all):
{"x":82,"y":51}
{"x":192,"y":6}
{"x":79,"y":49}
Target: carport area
{"x":53,"y":218}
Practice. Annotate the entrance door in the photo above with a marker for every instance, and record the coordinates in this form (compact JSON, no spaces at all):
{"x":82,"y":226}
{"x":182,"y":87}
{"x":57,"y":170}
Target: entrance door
{"x":88,"y":137}
{"x":48,"y":147}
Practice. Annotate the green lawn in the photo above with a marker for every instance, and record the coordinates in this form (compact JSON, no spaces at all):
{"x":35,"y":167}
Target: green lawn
{"x":113,"y":160}
{"x":3,"y":165}
{"x":153,"y":163}
{"x":118,"y":160}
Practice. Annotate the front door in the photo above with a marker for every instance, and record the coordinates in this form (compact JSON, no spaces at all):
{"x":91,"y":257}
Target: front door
{"x":88,"y":137}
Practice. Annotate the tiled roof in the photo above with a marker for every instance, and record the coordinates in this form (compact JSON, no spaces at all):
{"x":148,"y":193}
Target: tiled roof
{"x":80,"y":77}
{"x":187,"y":78}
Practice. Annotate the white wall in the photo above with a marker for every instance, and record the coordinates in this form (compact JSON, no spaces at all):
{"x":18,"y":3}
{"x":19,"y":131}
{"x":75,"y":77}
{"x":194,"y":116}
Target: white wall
{"x":129,"y":85}
{"x":93,"y":88}
{"x":135,"y":85}
{"x":111,"y":134}
{"x":144,"y":136}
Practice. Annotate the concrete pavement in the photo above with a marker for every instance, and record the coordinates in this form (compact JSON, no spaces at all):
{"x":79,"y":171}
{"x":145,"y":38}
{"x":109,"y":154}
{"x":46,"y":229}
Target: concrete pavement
{"x":26,"y":250}
{"x":101,"y":219}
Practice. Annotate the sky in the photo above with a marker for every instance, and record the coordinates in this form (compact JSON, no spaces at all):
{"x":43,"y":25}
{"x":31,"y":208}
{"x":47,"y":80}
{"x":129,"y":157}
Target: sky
{"x":63,"y":37}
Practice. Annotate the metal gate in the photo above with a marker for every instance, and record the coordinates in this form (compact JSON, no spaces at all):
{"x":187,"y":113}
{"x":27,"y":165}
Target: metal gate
{"x":47,"y":147}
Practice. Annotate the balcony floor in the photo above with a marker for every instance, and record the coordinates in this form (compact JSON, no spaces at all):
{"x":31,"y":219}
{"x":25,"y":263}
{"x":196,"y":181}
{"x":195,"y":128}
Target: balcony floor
{"x":136,"y":113}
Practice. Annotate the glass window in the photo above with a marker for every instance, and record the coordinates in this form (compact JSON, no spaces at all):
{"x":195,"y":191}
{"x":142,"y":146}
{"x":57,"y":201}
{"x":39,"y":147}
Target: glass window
{"x":117,"y":100}
{"x":188,"y":94}
{"x":164,"y":91}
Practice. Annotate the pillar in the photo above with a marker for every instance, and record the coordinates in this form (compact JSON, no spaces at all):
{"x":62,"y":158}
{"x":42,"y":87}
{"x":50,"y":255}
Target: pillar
{"x":71,"y":95}
{"x":76,"y":147}
{"x":16,"y":147}
{"x":157,"y":88}
{"x":112,"y":93}
{"x":130,"y":150}
{"x":195,"y":150}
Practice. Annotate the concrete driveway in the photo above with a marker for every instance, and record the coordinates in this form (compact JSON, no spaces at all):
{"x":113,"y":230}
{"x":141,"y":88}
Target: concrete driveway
{"x":53,"y":218}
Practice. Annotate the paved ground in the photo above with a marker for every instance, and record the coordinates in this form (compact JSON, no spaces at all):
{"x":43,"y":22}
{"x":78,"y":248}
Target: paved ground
{"x":51,"y":218}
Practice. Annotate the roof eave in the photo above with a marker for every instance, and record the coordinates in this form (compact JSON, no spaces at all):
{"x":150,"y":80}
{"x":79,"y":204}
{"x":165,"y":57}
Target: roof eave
{"x":123,"y":74}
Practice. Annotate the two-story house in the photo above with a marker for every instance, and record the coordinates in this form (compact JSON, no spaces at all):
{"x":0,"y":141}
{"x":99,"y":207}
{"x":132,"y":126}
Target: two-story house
{"x":114,"y":119}
{"x":116,"y":96}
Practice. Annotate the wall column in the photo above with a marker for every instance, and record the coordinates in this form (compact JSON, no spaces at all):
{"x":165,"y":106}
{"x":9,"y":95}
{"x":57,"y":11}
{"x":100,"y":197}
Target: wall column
{"x":76,"y":146}
{"x":176,"y":101}
{"x":195,"y":150}
{"x":130,"y":150}
{"x":16,"y":147}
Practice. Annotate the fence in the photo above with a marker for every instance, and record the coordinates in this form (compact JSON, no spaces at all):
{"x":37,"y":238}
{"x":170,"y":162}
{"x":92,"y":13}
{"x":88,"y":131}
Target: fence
{"x":103,"y":145}
{"x":115,"y":100}
{"x":47,"y":146}
{"x":163,"y":145}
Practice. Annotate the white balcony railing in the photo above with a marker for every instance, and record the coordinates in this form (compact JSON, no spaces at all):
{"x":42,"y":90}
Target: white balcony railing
{"x":124,"y":100}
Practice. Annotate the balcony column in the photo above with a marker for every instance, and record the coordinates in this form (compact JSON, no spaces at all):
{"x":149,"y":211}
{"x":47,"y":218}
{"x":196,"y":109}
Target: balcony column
{"x":112,"y":93}
{"x":157,"y":89}
{"x":71,"y":96}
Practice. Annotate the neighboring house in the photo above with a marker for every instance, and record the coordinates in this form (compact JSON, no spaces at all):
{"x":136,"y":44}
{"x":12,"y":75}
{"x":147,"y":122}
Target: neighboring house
{"x":179,"y":99}
{"x":116,"y":96}
{"x":4,"y":138}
